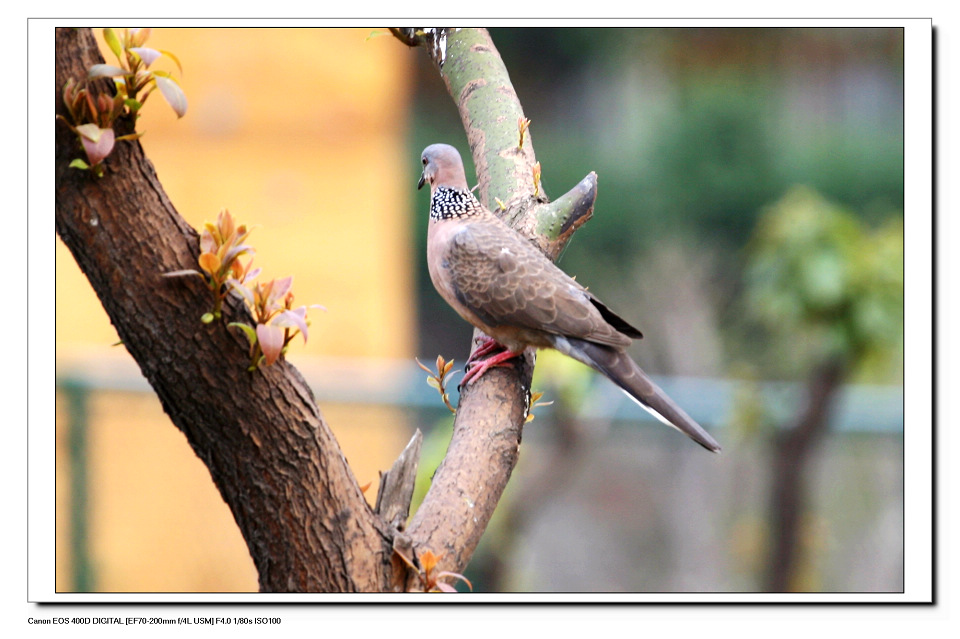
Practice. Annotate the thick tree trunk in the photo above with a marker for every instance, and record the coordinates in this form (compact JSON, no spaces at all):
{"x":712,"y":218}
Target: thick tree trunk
{"x":270,"y":454}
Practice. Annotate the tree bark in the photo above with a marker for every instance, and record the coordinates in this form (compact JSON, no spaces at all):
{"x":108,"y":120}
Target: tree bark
{"x":791,"y":458}
{"x":261,"y":435}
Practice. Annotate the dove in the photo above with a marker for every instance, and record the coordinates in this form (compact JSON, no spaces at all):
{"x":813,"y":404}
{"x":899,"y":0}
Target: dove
{"x":499,"y":282}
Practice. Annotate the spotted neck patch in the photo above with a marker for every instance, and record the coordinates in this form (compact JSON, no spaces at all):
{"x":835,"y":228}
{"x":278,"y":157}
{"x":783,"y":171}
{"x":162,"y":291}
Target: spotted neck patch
{"x":448,"y":203}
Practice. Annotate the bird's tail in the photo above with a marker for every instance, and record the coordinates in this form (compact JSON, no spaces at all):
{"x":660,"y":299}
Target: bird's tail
{"x":625,"y":373}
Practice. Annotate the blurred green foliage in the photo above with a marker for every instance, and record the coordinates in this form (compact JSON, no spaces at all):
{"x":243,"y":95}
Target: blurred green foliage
{"x":820,"y":284}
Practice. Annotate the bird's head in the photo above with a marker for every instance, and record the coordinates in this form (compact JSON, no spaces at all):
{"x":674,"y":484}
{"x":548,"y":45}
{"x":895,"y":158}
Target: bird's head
{"x":442,"y":166}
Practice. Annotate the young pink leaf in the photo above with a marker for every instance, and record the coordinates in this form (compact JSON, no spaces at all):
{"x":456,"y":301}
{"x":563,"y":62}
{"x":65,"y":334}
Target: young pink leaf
{"x":236,"y":251}
{"x":279,"y":290}
{"x":296,"y":318}
{"x":173,"y":94}
{"x":271,"y":342}
{"x":97,"y":150}
{"x":260,"y":292}
{"x":148,"y":55}
{"x":282,"y":287}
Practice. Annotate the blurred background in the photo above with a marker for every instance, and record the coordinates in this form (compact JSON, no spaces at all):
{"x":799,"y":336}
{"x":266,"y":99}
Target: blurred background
{"x":749,"y":221}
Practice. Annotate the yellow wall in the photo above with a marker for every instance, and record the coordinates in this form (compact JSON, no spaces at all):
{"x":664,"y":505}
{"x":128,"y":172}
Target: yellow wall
{"x":301,"y":132}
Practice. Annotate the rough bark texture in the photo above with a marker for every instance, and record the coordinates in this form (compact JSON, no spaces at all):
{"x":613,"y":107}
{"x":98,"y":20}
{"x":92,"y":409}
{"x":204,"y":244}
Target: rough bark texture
{"x":275,"y":462}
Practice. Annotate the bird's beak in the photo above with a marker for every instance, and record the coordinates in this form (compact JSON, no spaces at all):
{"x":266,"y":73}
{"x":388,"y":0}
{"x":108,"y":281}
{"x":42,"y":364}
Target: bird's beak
{"x":423,"y":178}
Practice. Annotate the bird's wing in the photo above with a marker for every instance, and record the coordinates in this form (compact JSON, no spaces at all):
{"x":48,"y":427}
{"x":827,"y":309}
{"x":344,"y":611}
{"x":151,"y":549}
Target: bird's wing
{"x":504,"y":280}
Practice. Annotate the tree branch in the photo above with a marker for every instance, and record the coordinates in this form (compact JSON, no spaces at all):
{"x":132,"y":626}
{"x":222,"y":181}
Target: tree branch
{"x":489,"y":422}
{"x":396,"y":485}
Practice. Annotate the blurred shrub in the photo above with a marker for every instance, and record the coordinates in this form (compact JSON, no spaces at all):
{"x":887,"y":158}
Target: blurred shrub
{"x":821,"y":285}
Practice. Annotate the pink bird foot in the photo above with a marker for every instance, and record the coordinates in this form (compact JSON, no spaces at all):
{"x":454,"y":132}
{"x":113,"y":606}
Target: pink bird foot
{"x":476,"y":369}
{"x":485,"y":346}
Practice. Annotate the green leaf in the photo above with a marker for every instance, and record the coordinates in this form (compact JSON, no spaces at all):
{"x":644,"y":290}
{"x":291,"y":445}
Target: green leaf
{"x":247,"y":330}
{"x":174,"y":58}
{"x":206,"y":318}
{"x":79,"y":164}
{"x":113,"y":42}
{"x":875,"y":321}
{"x":823,"y":279}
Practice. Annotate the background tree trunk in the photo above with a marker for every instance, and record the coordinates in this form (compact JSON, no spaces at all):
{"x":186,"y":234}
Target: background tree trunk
{"x":791,"y":462}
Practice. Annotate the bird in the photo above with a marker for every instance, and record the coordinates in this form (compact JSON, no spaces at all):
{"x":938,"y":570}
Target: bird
{"x":502,"y":284}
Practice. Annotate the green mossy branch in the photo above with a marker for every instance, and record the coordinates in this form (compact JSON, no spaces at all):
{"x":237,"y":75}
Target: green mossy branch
{"x":490,"y":110}
{"x":484,"y":447}
{"x":492,"y":117}
{"x":491,"y":113}
{"x":557,"y":221}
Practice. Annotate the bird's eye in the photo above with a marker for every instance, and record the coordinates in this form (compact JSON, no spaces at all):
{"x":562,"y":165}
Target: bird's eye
{"x":424,"y":161}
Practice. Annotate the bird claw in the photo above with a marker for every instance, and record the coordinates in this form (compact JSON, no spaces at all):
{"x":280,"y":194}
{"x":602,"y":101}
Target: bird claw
{"x":475,"y":369}
{"x":485,"y":346}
